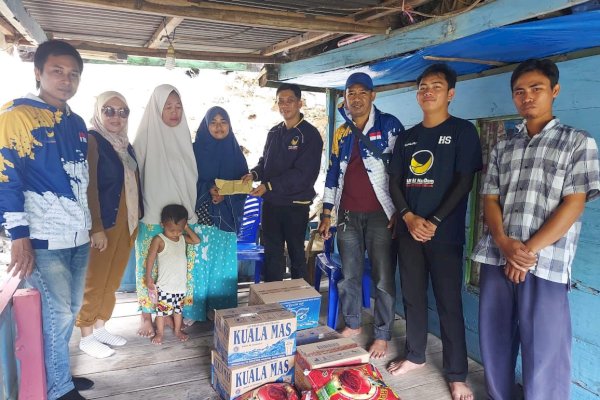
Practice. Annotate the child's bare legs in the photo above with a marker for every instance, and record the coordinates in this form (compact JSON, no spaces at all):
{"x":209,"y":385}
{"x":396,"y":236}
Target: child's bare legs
{"x":178,"y":320}
{"x":146,"y":329}
{"x":160,"y":330}
{"x":169,"y":322}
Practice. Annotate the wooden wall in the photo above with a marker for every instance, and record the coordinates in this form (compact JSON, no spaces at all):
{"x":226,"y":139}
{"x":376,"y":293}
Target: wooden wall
{"x":578,"y":104}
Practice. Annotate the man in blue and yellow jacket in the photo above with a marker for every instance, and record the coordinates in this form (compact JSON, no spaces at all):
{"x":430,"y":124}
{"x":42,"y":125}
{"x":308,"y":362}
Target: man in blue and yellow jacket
{"x":357,"y":187}
{"x":44,"y":203}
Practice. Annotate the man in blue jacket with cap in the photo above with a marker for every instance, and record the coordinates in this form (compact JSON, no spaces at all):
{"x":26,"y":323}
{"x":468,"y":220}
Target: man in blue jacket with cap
{"x":357,"y":187}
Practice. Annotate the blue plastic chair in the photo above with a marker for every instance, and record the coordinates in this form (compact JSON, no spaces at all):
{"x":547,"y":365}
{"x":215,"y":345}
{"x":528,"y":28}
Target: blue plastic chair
{"x":247,"y":238}
{"x":330,"y":263}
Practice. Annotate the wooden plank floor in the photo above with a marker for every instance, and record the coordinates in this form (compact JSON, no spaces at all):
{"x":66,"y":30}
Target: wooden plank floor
{"x":175,"y":370}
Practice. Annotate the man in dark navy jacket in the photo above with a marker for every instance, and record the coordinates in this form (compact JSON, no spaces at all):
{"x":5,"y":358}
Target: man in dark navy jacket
{"x":287,"y":171}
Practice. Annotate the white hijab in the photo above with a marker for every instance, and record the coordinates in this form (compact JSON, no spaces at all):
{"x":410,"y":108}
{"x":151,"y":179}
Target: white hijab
{"x":166,"y":160}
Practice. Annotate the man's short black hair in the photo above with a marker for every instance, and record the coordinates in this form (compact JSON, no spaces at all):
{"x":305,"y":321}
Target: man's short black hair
{"x":545,"y":66}
{"x":292,"y":87}
{"x":173,"y":213}
{"x":55,"y":48}
{"x":439,"y":69}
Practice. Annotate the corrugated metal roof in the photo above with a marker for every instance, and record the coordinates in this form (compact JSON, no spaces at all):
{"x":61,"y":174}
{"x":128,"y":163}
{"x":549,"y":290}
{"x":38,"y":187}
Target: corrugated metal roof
{"x":216,"y":36}
{"x":106,"y":27}
{"x":78,"y":22}
{"x":339,"y":8}
{"x":64,"y":20}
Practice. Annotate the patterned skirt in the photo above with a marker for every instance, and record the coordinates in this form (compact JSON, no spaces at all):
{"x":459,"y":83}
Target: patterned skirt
{"x":212,"y":282}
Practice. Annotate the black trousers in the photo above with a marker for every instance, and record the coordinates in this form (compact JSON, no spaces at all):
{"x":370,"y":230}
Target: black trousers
{"x":284,"y":225}
{"x":443,"y":263}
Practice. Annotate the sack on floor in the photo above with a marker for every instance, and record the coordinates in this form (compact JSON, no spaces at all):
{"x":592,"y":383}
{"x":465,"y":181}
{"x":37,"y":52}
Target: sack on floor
{"x":359,"y":382}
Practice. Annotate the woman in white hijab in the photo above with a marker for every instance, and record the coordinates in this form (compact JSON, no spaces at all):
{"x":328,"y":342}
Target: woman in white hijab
{"x":115,"y":205}
{"x":168,"y":172}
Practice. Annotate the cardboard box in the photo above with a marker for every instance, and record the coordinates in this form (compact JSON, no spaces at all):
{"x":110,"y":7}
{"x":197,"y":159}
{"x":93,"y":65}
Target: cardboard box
{"x":231,"y":382}
{"x":251,"y":334}
{"x":332,"y":353}
{"x":321,"y":333}
{"x":295,"y":295}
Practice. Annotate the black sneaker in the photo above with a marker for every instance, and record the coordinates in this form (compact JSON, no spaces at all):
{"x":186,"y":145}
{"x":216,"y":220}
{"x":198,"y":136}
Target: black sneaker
{"x":72,"y":395}
{"x":82,"y":384}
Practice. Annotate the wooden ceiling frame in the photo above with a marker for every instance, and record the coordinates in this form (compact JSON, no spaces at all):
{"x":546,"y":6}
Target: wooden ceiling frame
{"x":14,"y":12}
{"x":246,"y":16}
{"x":311,"y":39}
{"x":308,"y":38}
{"x":179,"y":54}
{"x":5,"y":28}
{"x":317,"y":29}
{"x":164,"y":29}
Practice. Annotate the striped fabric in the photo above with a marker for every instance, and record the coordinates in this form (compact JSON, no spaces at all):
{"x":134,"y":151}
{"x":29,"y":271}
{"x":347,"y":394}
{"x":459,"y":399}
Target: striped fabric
{"x":531,"y":176}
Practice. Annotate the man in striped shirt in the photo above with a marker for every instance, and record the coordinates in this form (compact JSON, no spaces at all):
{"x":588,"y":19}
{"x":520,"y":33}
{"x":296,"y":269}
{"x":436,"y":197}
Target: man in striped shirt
{"x":535,"y":191}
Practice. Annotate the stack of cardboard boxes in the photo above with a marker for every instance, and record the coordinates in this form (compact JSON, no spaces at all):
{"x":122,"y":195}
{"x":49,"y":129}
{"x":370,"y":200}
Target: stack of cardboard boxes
{"x":256,"y":345}
{"x":253,"y":345}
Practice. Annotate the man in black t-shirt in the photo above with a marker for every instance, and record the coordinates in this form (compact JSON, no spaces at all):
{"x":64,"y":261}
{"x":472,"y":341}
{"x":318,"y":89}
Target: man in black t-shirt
{"x":431,"y":174}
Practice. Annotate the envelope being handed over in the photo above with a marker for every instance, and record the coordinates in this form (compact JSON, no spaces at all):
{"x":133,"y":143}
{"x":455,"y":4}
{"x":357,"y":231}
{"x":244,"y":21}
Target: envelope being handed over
{"x":233,"y":187}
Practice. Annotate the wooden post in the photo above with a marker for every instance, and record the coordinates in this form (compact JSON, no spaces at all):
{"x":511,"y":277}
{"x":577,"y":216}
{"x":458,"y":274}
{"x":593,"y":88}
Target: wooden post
{"x":29,"y":344}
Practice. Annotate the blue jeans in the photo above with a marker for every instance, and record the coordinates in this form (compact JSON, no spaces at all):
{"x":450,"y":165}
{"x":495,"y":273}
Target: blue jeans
{"x":357,"y":232}
{"x":59,"y":276}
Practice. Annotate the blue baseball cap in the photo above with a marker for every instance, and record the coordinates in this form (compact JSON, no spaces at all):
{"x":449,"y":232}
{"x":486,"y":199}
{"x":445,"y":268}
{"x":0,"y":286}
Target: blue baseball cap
{"x":360,"y":78}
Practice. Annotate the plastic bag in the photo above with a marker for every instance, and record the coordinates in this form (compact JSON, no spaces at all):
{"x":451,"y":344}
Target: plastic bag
{"x":309,"y":395}
{"x":271,"y":391}
{"x":359,"y":382}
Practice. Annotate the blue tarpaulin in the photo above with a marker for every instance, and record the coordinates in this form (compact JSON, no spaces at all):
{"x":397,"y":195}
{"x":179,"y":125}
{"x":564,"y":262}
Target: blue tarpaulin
{"x":509,"y":44}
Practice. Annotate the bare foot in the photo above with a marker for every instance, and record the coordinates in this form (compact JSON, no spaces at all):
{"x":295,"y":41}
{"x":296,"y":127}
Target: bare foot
{"x":146,"y":328}
{"x":402,"y":367}
{"x":460,"y":391}
{"x":349,"y":332}
{"x":181,"y":336}
{"x":157,"y":339}
{"x":378,"y":348}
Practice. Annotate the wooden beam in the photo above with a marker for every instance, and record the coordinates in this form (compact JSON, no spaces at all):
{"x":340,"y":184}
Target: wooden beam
{"x":466,"y":60}
{"x":163,"y":30}
{"x":297,"y":53}
{"x":268,"y":74}
{"x":297,"y":41}
{"x":313,"y":38}
{"x":246,"y":16}
{"x":5,"y":28}
{"x":179,"y":54}
{"x":387,"y":8}
{"x":19,"y":18}
{"x":441,"y":30}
